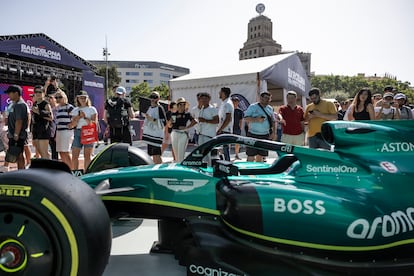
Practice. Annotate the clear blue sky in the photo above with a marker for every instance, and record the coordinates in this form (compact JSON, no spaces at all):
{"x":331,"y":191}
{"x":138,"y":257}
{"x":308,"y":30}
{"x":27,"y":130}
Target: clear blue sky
{"x":345,"y":37}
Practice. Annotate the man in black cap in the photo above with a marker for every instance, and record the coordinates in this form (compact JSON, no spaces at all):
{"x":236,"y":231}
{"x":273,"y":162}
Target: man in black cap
{"x":17,"y":122}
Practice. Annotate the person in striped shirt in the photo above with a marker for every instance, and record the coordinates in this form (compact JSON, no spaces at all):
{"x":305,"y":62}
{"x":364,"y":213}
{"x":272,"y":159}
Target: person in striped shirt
{"x":64,"y":135}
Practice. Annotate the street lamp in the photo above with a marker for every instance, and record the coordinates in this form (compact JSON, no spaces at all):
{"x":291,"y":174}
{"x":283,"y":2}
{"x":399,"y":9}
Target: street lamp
{"x":106,"y":54}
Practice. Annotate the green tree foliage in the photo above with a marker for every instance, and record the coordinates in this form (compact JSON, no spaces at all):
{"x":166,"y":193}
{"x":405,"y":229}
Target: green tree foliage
{"x":339,"y":95}
{"x":143,"y":90}
{"x":113,"y":78}
{"x":338,"y":87}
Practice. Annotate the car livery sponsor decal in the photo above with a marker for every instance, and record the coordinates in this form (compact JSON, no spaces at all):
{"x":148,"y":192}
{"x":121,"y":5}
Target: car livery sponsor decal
{"x":296,"y":206}
{"x":180,"y":185}
{"x":397,"y":147}
{"x":352,"y":125}
{"x":15,"y":191}
{"x":386,"y":226}
{"x":330,"y":169}
{"x":286,"y":148}
{"x":192,"y":163}
{"x":389,"y":167}
{"x":246,"y":140}
{"x":209,"y":271}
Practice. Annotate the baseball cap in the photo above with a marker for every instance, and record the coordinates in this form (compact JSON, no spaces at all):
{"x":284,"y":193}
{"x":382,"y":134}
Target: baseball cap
{"x":264,"y":93}
{"x":181,"y":100}
{"x":388,"y":88}
{"x":82,"y":93}
{"x":154,"y":95}
{"x":13,"y":88}
{"x":399,"y":96}
{"x":120,"y":90}
{"x":388,"y":94}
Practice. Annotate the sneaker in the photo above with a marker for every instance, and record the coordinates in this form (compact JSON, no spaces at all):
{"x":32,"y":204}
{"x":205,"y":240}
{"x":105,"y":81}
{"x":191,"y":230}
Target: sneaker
{"x":237,"y":157}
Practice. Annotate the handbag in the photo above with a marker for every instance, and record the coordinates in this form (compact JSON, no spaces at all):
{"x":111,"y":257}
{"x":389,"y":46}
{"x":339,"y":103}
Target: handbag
{"x":89,"y":134}
{"x":13,"y":153}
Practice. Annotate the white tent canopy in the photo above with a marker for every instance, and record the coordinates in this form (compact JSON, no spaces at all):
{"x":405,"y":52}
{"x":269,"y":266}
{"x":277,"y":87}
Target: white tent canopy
{"x":245,"y":77}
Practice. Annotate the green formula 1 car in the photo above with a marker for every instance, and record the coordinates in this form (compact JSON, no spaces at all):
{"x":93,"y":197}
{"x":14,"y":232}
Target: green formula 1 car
{"x":311,"y":212}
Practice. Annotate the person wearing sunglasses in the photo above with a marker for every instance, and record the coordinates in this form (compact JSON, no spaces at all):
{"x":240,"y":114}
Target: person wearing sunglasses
{"x":42,"y":117}
{"x":84,"y":114}
{"x":64,"y":135}
{"x":153,"y":129}
{"x":181,"y":121}
{"x":118,"y":113}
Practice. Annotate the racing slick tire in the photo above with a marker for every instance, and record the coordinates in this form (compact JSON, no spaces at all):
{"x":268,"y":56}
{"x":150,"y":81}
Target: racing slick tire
{"x":53,"y":224}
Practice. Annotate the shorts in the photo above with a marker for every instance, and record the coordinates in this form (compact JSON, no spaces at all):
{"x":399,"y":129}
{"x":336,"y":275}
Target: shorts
{"x":120,"y":135}
{"x":64,"y":139}
{"x":153,"y":150}
{"x":19,"y":143}
{"x":253,"y":151}
{"x":40,"y":132}
{"x":76,"y":140}
{"x":293,"y":139}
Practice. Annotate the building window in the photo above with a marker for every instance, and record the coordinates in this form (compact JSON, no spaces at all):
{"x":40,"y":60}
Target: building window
{"x":164,"y":82}
{"x":148,"y":74}
{"x":119,"y":73}
{"x":250,"y":52}
{"x":132,"y":73}
{"x":165,"y":75}
{"x":255,"y":51}
{"x":149,"y":81}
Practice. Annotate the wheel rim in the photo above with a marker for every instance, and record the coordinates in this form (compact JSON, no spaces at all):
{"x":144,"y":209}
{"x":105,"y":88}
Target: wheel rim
{"x":31,"y":239}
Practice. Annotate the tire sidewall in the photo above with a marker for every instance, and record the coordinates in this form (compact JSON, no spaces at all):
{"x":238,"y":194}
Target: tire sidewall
{"x":70,"y":211}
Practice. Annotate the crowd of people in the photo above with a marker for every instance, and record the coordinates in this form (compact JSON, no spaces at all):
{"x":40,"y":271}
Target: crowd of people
{"x":51,"y":124}
{"x":54,"y":126}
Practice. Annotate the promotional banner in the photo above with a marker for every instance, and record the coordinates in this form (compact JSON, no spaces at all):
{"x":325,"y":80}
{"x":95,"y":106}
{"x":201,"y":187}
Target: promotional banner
{"x":94,"y":85}
{"x":4,"y":98}
{"x":40,"y":48}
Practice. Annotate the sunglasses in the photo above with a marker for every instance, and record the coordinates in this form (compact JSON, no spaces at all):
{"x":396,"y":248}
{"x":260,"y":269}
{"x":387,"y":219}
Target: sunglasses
{"x":153,"y":97}
{"x":58,"y":97}
{"x":38,"y":91}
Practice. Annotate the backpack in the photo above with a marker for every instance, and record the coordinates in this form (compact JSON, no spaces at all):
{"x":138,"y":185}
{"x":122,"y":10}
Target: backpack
{"x":116,"y":112}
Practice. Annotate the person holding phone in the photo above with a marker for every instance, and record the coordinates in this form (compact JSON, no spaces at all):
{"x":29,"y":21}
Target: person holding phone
{"x":388,"y":109}
{"x":83,"y":114}
{"x":316,"y":113}
{"x":42,"y":118}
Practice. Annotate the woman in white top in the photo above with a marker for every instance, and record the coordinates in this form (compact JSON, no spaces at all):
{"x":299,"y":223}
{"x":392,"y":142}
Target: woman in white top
{"x":64,"y":135}
{"x":83,"y":114}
